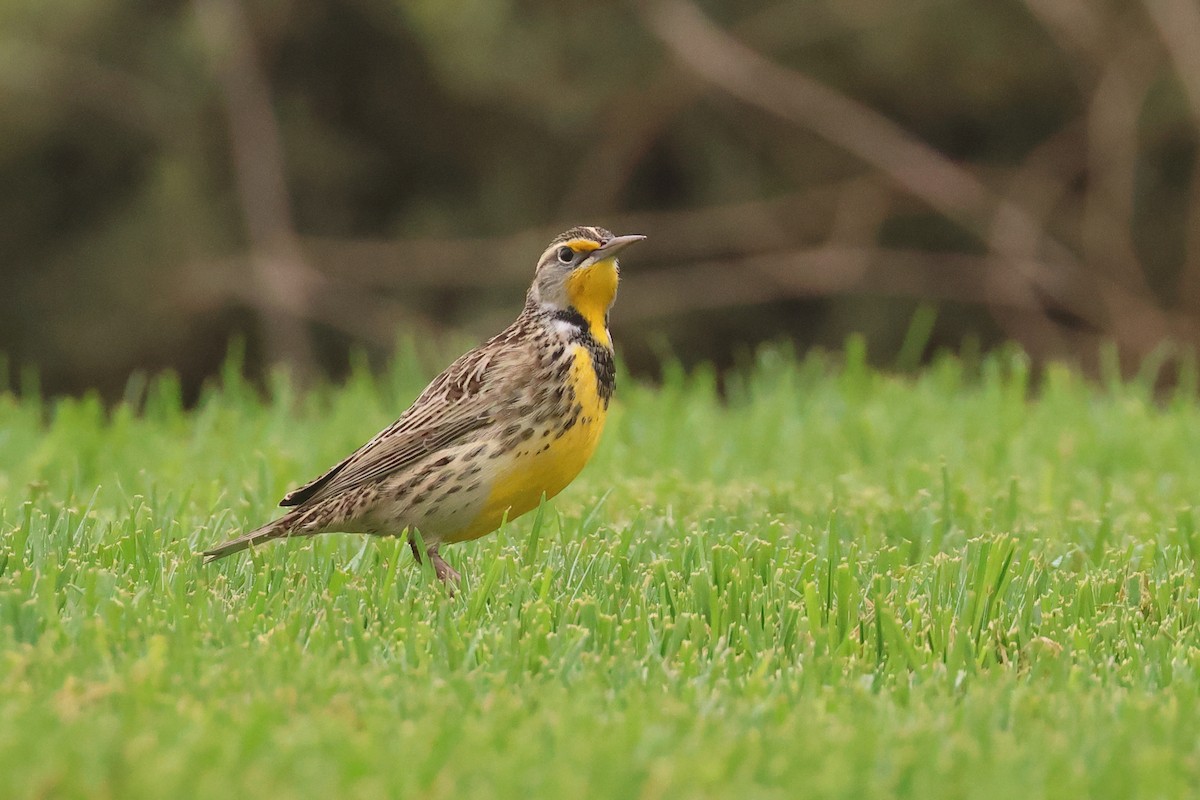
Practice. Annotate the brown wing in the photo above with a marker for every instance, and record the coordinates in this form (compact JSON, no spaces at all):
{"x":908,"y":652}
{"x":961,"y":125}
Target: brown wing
{"x":451,"y":407}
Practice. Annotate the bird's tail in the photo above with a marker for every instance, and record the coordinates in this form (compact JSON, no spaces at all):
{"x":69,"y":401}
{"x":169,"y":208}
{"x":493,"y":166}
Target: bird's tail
{"x":287,"y":525}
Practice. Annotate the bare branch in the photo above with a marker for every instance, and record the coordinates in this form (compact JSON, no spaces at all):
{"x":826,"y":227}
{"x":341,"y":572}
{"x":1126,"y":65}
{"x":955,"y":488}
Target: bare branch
{"x":647,"y":110}
{"x":1127,"y":315}
{"x":752,"y":226}
{"x":870,"y":136}
{"x":363,"y":315}
{"x":1074,"y":24}
{"x":824,"y":271}
{"x":277,"y":266}
{"x":1178,"y":23}
{"x":1112,"y":136}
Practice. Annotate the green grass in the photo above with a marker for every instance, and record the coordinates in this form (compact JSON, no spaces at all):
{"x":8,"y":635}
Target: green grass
{"x":837,"y":583}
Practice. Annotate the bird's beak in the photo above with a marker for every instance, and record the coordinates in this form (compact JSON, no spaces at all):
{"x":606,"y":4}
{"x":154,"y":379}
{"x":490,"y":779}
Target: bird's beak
{"x":611,"y":248}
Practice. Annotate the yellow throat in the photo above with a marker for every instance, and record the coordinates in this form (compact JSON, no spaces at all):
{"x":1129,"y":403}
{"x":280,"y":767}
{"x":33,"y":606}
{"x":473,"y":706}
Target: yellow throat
{"x":591,"y":291}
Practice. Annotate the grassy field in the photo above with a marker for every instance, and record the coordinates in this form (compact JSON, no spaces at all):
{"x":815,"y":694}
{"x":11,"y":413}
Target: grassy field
{"x":834,"y":582}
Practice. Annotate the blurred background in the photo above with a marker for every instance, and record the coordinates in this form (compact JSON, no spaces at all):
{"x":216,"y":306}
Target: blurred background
{"x":322,"y":176}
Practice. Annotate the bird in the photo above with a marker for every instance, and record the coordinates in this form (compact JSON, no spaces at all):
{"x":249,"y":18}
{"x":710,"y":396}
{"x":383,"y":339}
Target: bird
{"x":508,"y":424}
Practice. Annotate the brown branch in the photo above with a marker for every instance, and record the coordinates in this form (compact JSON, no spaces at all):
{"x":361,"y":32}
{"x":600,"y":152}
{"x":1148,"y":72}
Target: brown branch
{"x":1189,"y":279}
{"x":1074,"y":25}
{"x":1041,"y":184}
{"x":1178,"y":24}
{"x":752,"y":226}
{"x":821,"y":272}
{"x":1112,"y":137}
{"x":645,"y":112}
{"x":1129,"y":316}
{"x":867,"y":134}
{"x":826,"y":271}
{"x":208,"y":286}
{"x":278,"y":271}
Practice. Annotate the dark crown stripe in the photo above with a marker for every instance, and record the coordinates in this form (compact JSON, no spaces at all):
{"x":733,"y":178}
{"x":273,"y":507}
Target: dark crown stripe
{"x":583,"y":232}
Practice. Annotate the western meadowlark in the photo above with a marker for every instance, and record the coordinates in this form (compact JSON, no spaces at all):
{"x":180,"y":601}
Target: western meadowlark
{"x":508,"y":423}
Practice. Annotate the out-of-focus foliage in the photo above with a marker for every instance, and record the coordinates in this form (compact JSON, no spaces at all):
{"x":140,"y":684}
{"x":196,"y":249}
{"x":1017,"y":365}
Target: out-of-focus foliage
{"x":317,"y":175}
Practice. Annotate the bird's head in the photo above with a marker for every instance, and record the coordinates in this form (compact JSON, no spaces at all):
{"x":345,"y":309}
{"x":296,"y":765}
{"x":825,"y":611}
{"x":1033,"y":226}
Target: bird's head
{"x":579,"y":272}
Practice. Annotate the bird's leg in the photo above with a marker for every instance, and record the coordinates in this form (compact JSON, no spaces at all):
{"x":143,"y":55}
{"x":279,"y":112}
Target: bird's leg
{"x":445,"y":573}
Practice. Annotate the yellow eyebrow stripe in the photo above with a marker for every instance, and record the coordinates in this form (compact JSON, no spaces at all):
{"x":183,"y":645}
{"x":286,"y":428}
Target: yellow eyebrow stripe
{"x":582,"y":245}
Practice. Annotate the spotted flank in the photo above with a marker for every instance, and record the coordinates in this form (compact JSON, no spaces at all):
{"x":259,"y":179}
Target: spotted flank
{"x":508,"y":423}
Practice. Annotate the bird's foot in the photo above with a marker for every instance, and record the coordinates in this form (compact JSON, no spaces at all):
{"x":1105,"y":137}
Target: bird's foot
{"x":445,"y":573}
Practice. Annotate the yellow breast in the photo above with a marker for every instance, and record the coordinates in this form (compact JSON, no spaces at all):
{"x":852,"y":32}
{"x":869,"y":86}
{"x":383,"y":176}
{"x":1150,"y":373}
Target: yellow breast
{"x":545,"y":469}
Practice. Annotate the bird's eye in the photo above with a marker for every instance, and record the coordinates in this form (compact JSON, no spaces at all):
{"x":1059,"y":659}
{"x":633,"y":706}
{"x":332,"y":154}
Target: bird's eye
{"x":566,"y":255}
